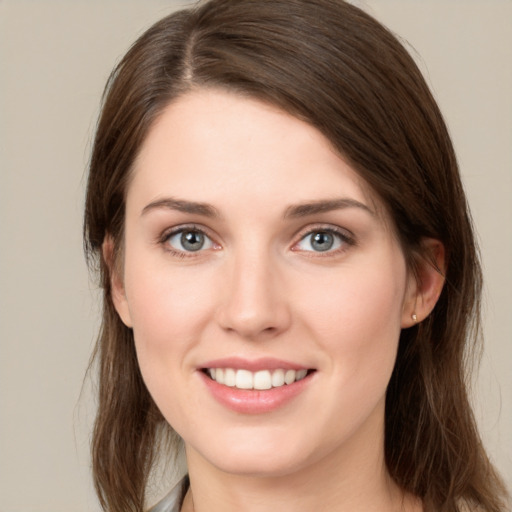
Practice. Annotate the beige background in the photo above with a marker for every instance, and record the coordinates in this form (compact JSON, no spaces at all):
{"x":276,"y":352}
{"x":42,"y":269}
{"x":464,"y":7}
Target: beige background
{"x":54,"y":59}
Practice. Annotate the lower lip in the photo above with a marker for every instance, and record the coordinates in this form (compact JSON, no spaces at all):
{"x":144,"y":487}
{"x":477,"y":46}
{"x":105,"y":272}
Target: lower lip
{"x":252,"y":401}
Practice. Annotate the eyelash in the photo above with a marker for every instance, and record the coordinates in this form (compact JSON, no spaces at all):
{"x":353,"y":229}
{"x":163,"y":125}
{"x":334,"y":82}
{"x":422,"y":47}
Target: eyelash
{"x":191,"y":228}
{"x":345,"y":238}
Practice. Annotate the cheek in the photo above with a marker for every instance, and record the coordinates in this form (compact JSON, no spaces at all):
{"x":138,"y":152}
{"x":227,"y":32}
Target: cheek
{"x":169,"y":311}
{"x":357,"y":319}
{"x":168,"y":308}
{"x":356,"y":325}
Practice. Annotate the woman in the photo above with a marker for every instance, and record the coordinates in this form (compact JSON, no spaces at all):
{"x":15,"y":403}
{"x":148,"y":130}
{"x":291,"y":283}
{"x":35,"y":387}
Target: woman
{"x":291,"y":284}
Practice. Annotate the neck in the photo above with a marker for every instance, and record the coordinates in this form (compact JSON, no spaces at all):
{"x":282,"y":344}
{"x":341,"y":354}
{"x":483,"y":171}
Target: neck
{"x":351,"y":478}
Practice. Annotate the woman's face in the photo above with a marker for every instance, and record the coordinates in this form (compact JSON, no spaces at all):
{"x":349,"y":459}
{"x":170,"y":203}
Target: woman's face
{"x":255,"y":254}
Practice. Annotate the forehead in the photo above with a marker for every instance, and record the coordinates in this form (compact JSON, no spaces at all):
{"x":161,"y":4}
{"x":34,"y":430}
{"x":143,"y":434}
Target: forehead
{"x":212,"y":144}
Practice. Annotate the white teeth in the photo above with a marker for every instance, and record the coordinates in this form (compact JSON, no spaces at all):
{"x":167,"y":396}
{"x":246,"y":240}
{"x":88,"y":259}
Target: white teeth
{"x":261,"y":380}
{"x":244,"y":379}
{"x":289,"y":376}
{"x":301,"y":374}
{"x":278,"y":378}
{"x":229,"y":377}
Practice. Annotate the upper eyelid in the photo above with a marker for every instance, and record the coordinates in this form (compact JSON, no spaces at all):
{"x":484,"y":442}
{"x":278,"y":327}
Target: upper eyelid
{"x":332,"y":228}
{"x":296,"y":238}
{"x":166,"y":233}
{"x":345,"y":237}
{"x":163,"y":240}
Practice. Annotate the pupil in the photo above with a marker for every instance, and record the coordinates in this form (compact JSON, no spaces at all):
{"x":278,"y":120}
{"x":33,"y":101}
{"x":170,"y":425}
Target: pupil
{"x":322,"y":241}
{"x":192,"y":240}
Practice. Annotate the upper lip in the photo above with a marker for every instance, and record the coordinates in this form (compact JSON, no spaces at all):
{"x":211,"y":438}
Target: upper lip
{"x":253,"y":365}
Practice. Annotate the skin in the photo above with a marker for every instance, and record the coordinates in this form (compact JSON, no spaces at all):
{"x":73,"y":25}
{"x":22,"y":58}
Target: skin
{"x":259,"y":289}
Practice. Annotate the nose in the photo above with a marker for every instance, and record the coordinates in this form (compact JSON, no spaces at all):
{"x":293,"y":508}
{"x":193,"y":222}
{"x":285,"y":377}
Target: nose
{"x":255,"y":304}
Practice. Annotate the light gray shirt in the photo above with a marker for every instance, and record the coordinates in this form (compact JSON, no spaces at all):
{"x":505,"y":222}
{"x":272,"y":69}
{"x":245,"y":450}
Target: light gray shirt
{"x":172,"y":502}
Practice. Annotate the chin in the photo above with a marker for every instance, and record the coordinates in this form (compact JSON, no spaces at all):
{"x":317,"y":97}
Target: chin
{"x":261,"y":466}
{"x":254,"y":455}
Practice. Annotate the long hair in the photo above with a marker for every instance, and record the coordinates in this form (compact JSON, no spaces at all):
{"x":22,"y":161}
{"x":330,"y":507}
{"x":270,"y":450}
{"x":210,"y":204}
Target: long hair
{"x":332,"y":65}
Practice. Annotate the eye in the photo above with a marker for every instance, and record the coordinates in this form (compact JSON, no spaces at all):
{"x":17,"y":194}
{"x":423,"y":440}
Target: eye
{"x":322,"y":240}
{"x":188,"y":240}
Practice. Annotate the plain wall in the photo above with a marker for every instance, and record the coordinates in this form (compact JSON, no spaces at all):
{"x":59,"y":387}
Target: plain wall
{"x":55,"y":57}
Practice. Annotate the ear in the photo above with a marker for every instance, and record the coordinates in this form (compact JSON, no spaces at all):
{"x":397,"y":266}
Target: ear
{"x":425,"y":283}
{"x":117,"y":291}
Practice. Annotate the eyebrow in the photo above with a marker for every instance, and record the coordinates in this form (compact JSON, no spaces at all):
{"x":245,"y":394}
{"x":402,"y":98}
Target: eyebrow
{"x":323,"y":206}
{"x":293,"y":211}
{"x":181,"y":205}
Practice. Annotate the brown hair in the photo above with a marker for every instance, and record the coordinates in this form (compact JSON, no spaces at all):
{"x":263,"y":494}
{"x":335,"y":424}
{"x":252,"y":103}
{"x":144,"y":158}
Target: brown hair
{"x":331,"y":64}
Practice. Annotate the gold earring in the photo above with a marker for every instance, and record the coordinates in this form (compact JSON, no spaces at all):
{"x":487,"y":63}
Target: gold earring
{"x":414,"y":317}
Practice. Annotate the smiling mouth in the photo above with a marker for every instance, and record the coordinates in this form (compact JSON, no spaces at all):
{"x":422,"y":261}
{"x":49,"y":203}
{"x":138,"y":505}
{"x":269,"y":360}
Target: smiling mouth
{"x":260,"y":380}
